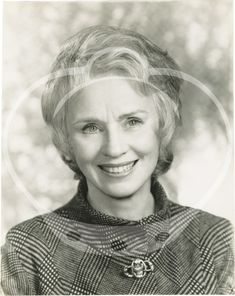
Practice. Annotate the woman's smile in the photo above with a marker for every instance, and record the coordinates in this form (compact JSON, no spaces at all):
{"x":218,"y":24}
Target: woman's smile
{"x":118,"y":170}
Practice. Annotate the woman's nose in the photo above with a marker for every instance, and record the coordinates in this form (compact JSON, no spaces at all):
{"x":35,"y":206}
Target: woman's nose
{"x":115,"y":143}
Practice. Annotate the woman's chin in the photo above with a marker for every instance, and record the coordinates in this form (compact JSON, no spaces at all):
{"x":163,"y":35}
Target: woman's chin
{"x":120,"y":191}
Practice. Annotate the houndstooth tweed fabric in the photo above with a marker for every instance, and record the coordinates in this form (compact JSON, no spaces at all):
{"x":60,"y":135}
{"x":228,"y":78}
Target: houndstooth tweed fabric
{"x":77,"y":250}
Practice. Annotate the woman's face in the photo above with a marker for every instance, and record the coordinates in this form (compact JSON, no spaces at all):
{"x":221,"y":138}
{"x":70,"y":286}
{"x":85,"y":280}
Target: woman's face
{"x":113,"y":134}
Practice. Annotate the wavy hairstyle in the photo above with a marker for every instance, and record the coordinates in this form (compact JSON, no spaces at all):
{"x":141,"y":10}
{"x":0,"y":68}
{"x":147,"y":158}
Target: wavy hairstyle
{"x":105,"y":51}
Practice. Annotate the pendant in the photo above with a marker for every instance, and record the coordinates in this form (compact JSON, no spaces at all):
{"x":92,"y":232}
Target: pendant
{"x":138,"y":268}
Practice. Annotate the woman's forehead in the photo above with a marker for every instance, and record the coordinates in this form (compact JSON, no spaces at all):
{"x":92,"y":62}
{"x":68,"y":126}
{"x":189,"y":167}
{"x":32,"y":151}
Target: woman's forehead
{"x":117,"y":95}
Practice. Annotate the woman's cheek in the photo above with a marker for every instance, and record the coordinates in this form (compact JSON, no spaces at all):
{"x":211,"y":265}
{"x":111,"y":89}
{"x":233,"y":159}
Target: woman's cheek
{"x":85,"y":148}
{"x":146,"y":142}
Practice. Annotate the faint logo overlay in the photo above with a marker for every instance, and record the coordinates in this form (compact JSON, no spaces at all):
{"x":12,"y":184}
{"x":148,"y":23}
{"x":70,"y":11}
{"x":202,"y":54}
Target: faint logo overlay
{"x":80,"y":70}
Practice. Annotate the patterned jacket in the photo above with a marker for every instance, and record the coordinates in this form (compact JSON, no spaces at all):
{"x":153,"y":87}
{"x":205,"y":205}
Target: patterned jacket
{"x":78,"y":250}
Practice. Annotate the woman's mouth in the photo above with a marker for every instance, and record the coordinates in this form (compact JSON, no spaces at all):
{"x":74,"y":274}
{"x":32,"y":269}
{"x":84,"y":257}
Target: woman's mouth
{"x":118,"y":169}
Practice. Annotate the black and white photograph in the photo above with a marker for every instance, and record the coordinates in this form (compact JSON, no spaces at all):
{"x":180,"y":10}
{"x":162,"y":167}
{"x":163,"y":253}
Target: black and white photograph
{"x":117,"y":148}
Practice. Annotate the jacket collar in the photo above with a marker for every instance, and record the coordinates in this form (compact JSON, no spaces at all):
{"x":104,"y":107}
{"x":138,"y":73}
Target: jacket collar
{"x":88,"y":214}
{"x":115,"y":235}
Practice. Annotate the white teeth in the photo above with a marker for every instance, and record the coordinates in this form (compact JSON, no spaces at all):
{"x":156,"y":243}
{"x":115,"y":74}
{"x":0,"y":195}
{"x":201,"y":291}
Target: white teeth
{"x":119,"y":169}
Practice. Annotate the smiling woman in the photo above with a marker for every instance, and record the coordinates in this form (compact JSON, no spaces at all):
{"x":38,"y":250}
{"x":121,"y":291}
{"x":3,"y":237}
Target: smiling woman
{"x":115,"y":144}
{"x":113,"y":123}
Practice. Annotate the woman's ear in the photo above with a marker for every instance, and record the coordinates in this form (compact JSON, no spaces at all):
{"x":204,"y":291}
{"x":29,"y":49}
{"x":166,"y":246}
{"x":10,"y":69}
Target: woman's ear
{"x":73,"y":166}
{"x":66,"y":158}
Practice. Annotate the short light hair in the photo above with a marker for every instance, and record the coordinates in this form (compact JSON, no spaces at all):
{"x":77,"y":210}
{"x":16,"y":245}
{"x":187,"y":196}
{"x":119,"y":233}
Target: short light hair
{"x":103,"y":51}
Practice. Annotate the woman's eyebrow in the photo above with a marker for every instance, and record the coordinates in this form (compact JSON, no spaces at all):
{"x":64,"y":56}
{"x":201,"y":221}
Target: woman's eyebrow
{"x":134,"y":113}
{"x":87,"y":120}
{"x":94,"y":119}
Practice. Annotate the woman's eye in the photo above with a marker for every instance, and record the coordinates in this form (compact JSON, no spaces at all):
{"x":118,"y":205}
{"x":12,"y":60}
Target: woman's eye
{"x":132,"y":122}
{"x":90,"y":129}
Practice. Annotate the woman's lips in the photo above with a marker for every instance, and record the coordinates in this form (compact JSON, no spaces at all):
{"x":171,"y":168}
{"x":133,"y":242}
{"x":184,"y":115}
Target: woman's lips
{"x":121,"y":169}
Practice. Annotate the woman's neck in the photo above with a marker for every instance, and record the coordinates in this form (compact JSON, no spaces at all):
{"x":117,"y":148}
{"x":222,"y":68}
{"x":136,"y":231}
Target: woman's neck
{"x":135,"y":207}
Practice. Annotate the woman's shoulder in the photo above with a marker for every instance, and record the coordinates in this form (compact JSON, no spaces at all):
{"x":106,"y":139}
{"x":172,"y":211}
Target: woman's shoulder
{"x":209,"y":239}
{"x":21,"y":230}
{"x":206,"y":219}
{"x":37,"y":232}
{"x":208,"y":226}
{"x":28,"y":251}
